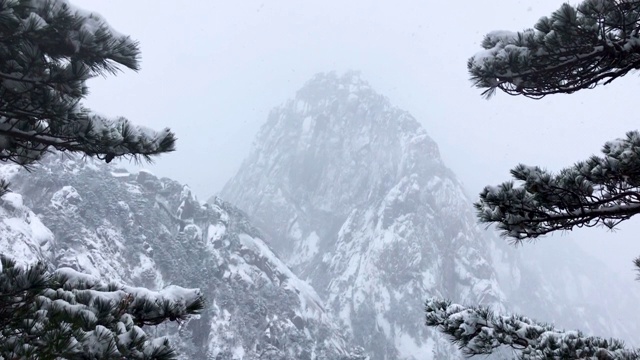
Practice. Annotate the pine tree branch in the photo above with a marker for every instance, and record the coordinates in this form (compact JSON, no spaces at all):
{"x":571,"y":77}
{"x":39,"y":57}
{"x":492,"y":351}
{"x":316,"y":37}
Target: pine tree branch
{"x":75,"y":316}
{"x":50,"y":49}
{"x":577,"y":47}
{"x":95,"y":142}
{"x":599,"y":191}
{"x":478,"y":331}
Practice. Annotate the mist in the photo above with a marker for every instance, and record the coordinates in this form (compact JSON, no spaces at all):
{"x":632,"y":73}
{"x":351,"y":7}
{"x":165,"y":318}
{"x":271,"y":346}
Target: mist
{"x":212,"y":71}
{"x":328,"y":192}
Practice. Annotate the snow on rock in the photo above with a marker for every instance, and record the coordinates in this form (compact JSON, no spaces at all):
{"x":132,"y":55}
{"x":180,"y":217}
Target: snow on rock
{"x":310,"y":301}
{"x":120,"y":174}
{"x":22,"y":235}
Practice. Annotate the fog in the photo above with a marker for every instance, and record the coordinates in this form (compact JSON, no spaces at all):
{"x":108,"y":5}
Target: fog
{"x":212,"y":70}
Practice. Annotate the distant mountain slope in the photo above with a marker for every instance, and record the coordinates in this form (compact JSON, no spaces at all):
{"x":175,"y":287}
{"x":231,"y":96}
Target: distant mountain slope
{"x":553,"y":280}
{"x":353,"y":194}
{"x":153,"y":232}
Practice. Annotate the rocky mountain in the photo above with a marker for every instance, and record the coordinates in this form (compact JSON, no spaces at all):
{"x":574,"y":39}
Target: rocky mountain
{"x":353,"y":195}
{"x":354,"y":220}
{"x":146,"y":231}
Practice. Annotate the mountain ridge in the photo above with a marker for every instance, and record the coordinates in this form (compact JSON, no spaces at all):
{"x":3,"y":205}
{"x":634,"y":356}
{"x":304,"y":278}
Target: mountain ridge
{"x":138,"y":229}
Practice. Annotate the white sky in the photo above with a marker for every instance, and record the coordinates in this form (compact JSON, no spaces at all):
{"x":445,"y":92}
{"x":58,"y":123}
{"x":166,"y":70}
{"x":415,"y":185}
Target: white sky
{"x":212,"y":70}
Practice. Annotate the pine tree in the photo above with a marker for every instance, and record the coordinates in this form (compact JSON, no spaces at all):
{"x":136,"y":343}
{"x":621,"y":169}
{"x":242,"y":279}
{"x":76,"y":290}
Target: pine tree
{"x":578,"y":47}
{"x":599,"y":191}
{"x":48,"y":50}
{"x":478,"y":331}
{"x":69,"y":315}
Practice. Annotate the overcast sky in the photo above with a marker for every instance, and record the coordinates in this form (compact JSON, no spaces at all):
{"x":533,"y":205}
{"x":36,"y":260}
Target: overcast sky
{"x":212,"y":70}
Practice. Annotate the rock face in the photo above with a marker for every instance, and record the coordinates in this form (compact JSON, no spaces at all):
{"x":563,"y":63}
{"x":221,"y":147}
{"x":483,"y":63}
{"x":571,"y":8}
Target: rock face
{"x":146,"y":231}
{"x":353,"y":194}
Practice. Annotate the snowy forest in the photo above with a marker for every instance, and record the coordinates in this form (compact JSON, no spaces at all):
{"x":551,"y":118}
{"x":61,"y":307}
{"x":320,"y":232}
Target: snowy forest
{"x":323,"y":181}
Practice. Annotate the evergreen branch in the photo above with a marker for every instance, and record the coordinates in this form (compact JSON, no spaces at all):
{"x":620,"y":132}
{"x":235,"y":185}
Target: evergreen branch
{"x":75,"y":316}
{"x":478,"y":331}
{"x":600,"y":191}
{"x":575,"y":48}
{"x":49,"y":50}
{"x":106,"y":139}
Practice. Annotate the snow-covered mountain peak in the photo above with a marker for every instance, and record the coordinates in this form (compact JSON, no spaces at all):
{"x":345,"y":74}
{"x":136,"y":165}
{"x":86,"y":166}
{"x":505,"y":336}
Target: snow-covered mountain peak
{"x":355,"y":198}
{"x":336,"y":144}
{"x":343,"y":113}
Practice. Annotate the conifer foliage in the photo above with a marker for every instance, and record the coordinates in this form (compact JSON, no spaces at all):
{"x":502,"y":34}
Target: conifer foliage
{"x":599,"y":191}
{"x":578,"y":47}
{"x":69,"y":315}
{"x":478,"y":331}
{"x":48,"y":50}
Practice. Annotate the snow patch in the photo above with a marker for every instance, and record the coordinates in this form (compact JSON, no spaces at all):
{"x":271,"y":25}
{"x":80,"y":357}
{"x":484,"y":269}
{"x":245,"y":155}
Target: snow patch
{"x":309,"y":299}
{"x":22,"y":235}
{"x":120,"y":174}
{"x":305,"y":250}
